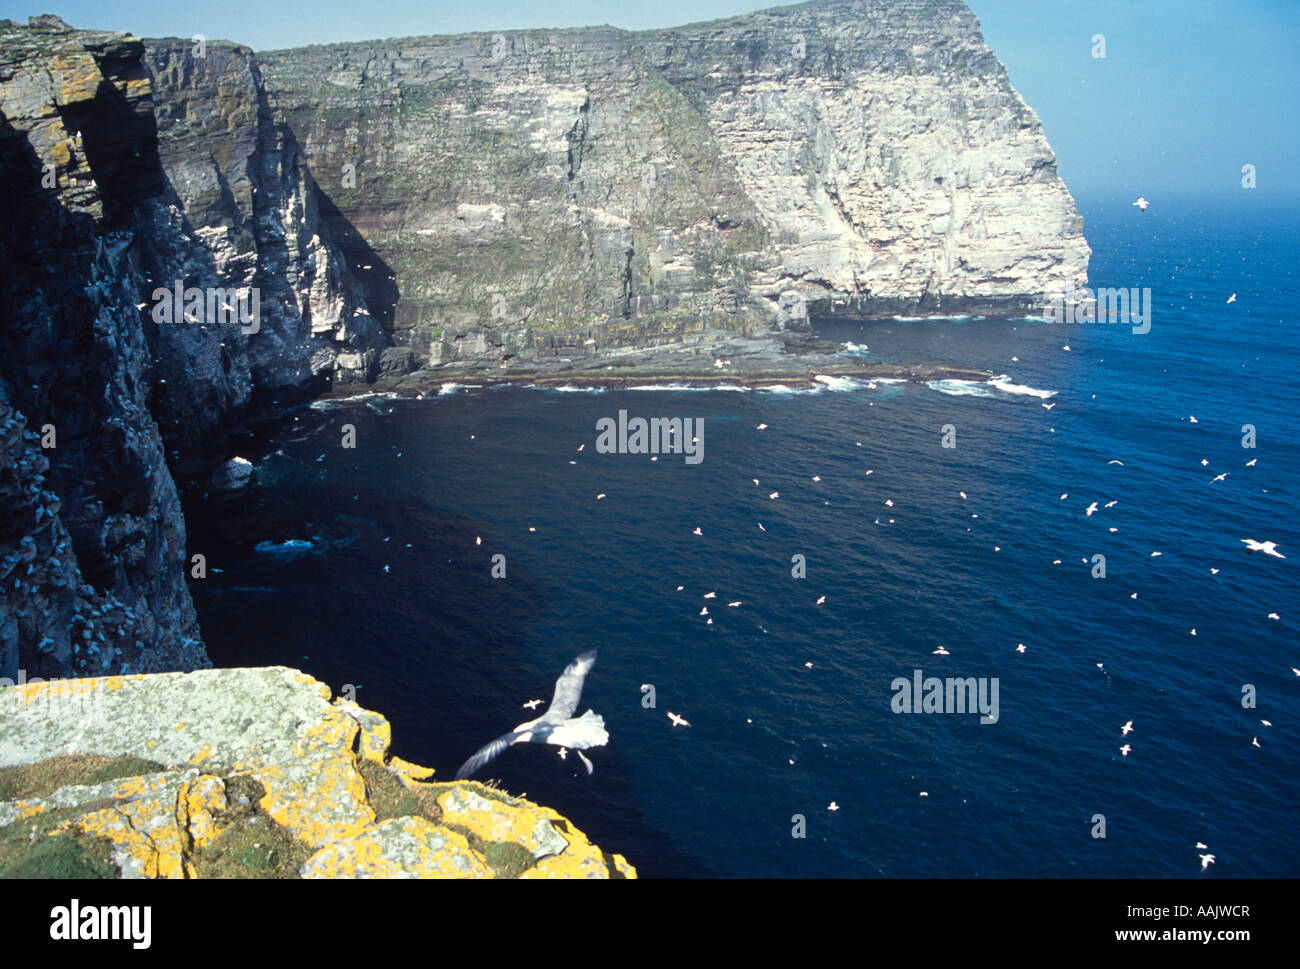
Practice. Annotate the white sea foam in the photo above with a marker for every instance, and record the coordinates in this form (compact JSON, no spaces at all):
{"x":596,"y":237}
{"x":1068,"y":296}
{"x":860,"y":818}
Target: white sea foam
{"x":840,"y":383}
{"x":293,"y":546}
{"x":568,"y":389}
{"x":960,"y":388}
{"x":332,"y":402}
{"x":785,"y":389}
{"x":698,"y":387}
{"x":1004,"y":384}
{"x":922,"y":319}
{"x":976,"y":388}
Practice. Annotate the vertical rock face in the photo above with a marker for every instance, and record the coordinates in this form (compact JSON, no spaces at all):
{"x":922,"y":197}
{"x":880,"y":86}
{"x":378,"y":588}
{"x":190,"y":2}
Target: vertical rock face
{"x":92,"y":543}
{"x":124,"y":171}
{"x":528,"y":192}
{"x":242,"y":216}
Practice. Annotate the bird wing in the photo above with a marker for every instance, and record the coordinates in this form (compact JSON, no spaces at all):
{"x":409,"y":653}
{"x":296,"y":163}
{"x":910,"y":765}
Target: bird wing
{"x":568,"y":689}
{"x":485,"y":754}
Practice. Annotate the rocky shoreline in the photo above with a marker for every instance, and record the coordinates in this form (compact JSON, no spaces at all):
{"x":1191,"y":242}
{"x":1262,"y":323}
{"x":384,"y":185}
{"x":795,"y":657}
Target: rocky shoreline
{"x":728,"y":361}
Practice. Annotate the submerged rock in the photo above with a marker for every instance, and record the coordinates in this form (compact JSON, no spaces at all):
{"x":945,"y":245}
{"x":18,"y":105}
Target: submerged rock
{"x":232,"y":477}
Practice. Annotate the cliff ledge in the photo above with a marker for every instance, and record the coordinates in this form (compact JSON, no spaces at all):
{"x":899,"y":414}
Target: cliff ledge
{"x":248,"y":773}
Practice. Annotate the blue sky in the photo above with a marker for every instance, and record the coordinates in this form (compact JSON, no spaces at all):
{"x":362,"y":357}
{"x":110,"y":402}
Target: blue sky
{"x":1188,"y":93}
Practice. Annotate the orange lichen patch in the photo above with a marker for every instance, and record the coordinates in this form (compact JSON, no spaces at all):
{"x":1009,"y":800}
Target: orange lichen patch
{"x":319,"y":799}
{"x":197,"y":805}
{"x":254,"y":760}
{"x":132,"y":788}
{"x":138,"y":87}
{"x":409,"y":771}
{"x":76,"y":77}
{"x":376,"y":732}
{"x":59,"y":153}
{"x":144,"y":830}
{"x":581,"y":860}
{"x":518,"y":821}
{"x":67,"y":691}
{"x":399,"y":848}
{"x":623,"y":866}
{"x":170,"y":845}
{"x":376,"y":736}
{"x":203,"y":755}
{"x":333,"y":732}
{"x":135,"y":853}
{"x":181,"y":726}
{"x":145,"y":838}
{"x":321,"y":689}
{"x":28,"y":809}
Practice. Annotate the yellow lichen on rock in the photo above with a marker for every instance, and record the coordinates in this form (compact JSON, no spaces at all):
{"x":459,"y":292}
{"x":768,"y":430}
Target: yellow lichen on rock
{"x":76,"y":78}
{"x":200,"y":740}
{"x":399,"y":848}
{"x":142,"y":827}
{"x":376,"y":732}
{"x":516,"y":820}
{"x":319,"y":799}
{"x":409,"y":771}
{"x":197,"y":805}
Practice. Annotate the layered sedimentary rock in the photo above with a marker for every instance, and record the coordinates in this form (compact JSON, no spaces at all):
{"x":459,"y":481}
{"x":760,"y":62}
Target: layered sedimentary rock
{"x":123,"y":173}
{"x":248,"y":773}
{"x":564,"y":192}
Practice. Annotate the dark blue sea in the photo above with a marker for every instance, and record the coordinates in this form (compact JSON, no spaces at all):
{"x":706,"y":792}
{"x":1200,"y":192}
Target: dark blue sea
{"x":360,"y":566}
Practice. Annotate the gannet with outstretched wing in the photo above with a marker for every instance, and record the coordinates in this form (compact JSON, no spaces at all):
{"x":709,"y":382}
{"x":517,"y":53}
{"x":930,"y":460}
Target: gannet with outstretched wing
{"x":556,"y":726}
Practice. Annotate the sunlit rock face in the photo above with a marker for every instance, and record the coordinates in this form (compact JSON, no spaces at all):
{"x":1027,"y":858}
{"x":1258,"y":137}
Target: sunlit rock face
{"x":251,"y":773}
{"x":524,"y":193}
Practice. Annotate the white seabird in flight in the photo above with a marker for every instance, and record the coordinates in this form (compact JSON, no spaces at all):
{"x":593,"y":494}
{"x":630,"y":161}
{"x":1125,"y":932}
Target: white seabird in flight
{"x":678,"y":721}
{"x":1142,"y":203}
{"x":1269,"y":548}
{"x":556,"y":726}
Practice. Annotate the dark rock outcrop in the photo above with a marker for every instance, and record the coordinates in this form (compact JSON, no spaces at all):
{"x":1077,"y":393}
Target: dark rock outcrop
{"x":127,"y":171}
